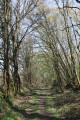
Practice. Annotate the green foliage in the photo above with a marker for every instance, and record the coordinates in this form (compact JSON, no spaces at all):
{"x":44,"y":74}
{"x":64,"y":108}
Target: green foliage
{"x":7,"y":112}
{"x":10,"y":115}
{"x":64,"y":105}
{"x":27,"y":61}
{"x":2,"y":101}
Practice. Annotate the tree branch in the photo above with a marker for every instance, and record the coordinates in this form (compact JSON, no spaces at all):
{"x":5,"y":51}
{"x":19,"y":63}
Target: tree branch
{"x":78,"y":1}
{"x":70,"y":7}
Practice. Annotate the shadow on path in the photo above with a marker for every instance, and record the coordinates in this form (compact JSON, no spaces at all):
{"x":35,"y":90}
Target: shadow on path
{"x":31,"y":115}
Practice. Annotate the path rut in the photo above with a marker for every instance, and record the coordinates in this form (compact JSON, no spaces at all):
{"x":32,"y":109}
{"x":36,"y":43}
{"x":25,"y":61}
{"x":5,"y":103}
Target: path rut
{"x":35,"y":107}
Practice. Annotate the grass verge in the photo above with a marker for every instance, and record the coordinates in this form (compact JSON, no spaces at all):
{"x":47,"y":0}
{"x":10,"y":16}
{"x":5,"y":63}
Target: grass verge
{"x":64,"y":105}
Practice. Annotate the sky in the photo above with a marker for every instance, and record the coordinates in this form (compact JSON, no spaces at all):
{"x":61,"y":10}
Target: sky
{"x":51,"y":3}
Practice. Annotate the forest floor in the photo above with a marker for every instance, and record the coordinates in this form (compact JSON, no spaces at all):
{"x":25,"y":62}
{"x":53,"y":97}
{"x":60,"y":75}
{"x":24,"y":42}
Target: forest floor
{"x":41,"y":104}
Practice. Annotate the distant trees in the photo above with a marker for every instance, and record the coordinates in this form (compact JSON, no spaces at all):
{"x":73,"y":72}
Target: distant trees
{"x":59,"y":34}
{"x":26,"y":57}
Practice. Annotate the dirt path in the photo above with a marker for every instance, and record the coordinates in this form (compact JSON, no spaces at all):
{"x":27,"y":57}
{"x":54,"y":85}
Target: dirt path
{"x":41,"y":104}
{"x":43,"y":96}
{"x":34,"y":106}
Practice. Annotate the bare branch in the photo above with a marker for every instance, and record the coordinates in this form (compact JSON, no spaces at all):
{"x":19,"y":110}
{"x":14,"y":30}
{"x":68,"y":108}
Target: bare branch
{"x":78,"y":1}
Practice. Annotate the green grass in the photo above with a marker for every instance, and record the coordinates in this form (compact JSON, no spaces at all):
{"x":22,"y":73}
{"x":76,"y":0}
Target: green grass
{"x":65,"y":105}
{"x":11,"y":115}
{"x":6,"y":112}
{"x":12,"y":110}
{"x":3,"y":103}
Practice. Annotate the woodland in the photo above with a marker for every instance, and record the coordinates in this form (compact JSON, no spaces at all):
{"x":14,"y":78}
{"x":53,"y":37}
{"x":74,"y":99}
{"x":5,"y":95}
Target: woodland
{"x":40,"y":59}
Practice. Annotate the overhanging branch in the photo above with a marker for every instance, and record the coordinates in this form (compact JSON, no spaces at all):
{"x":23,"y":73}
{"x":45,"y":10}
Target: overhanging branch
{"x":78,"y":1}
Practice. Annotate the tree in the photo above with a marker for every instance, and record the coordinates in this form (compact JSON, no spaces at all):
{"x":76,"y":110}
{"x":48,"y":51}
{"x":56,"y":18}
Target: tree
{"x":12,"y":17}
{"x":60,"y":43}
{"x":78,"y":1}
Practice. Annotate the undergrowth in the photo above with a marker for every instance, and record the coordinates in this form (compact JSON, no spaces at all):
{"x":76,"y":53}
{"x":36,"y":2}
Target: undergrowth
{"x":65,"y":105}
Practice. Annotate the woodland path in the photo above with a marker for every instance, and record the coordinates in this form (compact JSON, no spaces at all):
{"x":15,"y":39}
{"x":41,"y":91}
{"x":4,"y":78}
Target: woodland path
{"x":33,"y":106}
{"x":43,"y":104}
